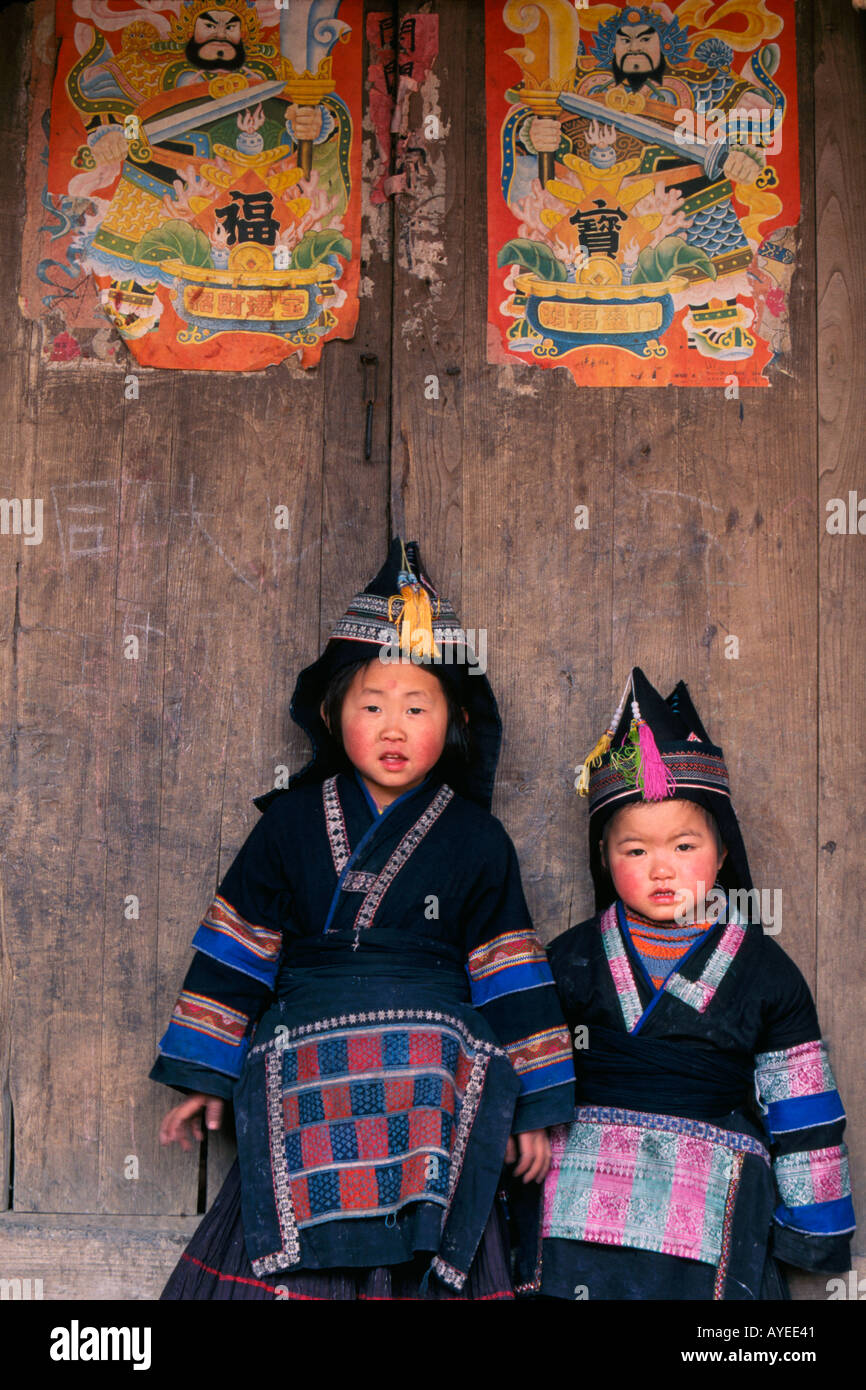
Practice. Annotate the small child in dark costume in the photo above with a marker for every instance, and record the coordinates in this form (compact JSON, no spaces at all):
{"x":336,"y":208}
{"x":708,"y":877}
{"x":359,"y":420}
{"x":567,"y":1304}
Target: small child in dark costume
{"x":707,"y":1140}
{"x":369,"y":989}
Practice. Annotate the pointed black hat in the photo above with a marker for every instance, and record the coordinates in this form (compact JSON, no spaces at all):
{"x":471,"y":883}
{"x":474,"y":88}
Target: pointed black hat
{"x":400,"y":616}
{"x":651,"y":750}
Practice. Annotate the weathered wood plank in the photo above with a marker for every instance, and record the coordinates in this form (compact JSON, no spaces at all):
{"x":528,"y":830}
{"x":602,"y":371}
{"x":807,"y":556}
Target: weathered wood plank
{"x":56,"y":846}
{"x":129,"y":1258}
{"x":16,"y":480}
{"x":56,"y":876}
{"x":428,"y":320}
{"x":130,"y":1156}
{"x":840,"y":195}
{"x":90,"y":1257}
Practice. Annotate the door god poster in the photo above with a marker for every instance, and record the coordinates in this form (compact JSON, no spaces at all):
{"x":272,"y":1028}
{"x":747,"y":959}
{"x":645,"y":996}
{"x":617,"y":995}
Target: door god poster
{"x":217,"y":146}
{"x":643,"y":188}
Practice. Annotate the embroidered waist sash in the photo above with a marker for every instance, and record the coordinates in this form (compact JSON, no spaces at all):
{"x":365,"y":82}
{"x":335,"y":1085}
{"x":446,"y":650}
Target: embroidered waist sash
{"x":365,"y":1134}
{"x":697,"y":1080}
{"x":648,"y":1181}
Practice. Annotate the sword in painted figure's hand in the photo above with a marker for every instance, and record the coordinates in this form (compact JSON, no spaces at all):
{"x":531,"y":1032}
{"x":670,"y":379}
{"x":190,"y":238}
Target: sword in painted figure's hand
{"x":711,"y":154}
{"x":160,"y":128}
{"x":308,"y":31}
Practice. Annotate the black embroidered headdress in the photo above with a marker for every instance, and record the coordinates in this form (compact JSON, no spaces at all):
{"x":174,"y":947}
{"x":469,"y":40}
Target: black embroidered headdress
{"x":401,"y":615}
{"x":651,"y":750}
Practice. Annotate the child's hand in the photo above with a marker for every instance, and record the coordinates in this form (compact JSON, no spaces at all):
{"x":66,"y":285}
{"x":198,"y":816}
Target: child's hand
{"x":177,"y":1126}
{"x":534,"y":1148}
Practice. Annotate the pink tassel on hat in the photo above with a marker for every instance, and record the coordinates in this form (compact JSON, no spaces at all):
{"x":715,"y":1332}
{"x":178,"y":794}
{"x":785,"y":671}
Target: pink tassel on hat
{"x":657,"y":779}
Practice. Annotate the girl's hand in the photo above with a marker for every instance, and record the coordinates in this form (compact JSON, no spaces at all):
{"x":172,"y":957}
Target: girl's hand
{"x":185,"y":1118}
{"x":534,"y":1148}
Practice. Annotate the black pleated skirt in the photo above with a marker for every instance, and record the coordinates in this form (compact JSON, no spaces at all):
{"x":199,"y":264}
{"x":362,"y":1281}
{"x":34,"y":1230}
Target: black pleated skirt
{"x":215,"y":1266}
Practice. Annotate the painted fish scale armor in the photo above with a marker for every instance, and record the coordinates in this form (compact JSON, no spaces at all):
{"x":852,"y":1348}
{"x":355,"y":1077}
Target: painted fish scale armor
{"x":716,"y":230}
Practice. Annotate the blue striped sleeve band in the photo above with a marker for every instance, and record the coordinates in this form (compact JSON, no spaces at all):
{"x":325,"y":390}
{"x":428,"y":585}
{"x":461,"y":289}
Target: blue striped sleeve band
{"x":205,"y":1031}
{"x":797,"y":1088}
{"x":804,"y":1112}
{"x":542,"y":1060}
{"x":815,"y":1189}
{"x":228,"y":937}
{"x":826,"y":1219}
{"x":508,"y":964}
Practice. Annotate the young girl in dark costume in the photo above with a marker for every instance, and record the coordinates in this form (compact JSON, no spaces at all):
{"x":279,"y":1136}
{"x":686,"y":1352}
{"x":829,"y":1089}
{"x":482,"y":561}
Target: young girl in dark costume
{"x":707,"y":1141}
{"x":369,"y":989}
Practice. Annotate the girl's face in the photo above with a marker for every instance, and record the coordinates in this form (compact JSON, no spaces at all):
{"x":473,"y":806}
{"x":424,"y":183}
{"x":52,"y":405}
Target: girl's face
{"x":394,"y":722}
{"x":660,"y":852}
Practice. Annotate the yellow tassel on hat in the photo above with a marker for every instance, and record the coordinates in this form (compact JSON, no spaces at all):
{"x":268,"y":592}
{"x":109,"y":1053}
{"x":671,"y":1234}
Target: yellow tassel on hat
{"x":592,"y":760}
{"x":416,"y":616}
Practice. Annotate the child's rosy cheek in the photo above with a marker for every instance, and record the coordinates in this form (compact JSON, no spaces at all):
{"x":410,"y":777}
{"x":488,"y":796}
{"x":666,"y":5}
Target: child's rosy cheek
{"x":430,"y":746}
{"x":626,"y":875}
{"x":705,"y":867}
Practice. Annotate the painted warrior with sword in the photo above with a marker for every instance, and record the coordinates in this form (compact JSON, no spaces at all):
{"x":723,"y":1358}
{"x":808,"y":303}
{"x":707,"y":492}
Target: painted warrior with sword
{"x":212,"y":125}
{"x":631,"y":139}
{"x":215,"y":39}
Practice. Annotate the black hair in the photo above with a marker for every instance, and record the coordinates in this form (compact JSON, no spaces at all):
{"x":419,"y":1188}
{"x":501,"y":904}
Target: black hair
{"x":458,"y":739}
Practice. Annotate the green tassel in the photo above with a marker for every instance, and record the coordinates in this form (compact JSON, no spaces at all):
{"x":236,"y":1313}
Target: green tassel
{"x":627,"y":758}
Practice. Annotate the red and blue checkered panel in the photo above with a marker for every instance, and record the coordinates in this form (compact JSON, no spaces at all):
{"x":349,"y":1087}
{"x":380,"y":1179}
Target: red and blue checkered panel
{"x":370,"y":1118}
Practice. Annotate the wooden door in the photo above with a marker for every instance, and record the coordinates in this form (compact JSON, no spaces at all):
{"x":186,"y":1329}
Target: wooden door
{"x":129,"y":783}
